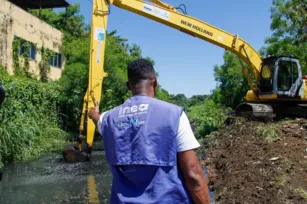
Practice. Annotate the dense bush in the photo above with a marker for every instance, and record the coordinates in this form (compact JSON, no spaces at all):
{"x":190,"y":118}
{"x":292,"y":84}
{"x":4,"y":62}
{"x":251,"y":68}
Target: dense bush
{"x":207,"y":117}
{"x":28,"y":118}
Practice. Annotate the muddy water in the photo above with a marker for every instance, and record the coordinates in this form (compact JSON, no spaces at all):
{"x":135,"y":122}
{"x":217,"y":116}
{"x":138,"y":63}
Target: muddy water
{"x":50,"y":180}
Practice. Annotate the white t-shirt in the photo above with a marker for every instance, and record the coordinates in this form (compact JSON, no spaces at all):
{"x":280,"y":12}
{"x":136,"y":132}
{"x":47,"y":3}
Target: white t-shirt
{"x":185,"y":137}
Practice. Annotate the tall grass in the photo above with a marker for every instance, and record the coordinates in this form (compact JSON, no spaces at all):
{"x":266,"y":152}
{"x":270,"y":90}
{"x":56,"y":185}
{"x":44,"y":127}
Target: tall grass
{"x":208,"y":117}
{"x":28,"y":118}
{"x":268,"y":132}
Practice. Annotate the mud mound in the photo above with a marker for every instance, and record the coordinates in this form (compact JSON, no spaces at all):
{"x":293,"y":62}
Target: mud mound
{"x":254,"y":162}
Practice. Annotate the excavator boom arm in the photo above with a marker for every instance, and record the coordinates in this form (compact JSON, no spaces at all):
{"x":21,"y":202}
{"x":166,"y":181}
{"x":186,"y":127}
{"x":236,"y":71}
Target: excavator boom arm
{"x":96,"y":71}
{"x":167,"y":15}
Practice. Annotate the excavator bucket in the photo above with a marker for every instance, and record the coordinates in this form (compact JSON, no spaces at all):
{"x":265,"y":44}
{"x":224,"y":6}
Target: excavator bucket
{"x":255,"y":111}
{"x":74,"y":155}
{"x":77,"y":153}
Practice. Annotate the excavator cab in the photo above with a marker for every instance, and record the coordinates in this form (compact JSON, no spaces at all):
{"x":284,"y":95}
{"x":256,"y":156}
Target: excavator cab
{"x":280,"y":79}
{"x":281,"y":76}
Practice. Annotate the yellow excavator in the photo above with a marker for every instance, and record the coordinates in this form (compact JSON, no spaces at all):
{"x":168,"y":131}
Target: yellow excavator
{"x":276,"y":87}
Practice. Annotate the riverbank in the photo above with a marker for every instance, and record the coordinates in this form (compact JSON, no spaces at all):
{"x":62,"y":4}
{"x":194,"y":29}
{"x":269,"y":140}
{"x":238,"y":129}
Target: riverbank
{"x":255,"y":162}
{"x":29,"y":119}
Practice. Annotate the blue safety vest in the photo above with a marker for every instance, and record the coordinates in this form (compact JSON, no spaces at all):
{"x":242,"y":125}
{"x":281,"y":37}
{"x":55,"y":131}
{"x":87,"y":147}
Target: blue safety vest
{"x":140,"y":145}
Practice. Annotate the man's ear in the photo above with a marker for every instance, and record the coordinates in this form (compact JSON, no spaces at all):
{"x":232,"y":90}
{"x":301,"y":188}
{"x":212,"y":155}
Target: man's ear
{"x":155,"y":85}
{"x":128,"y":85}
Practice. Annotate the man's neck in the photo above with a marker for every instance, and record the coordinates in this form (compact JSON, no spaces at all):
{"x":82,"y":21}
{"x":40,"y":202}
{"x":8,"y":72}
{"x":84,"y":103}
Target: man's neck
{"x":143,"y":89}
{"x":143,"y":93}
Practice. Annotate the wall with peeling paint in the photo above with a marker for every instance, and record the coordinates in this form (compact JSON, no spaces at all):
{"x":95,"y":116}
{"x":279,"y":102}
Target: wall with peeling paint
{"x":15,"y":21}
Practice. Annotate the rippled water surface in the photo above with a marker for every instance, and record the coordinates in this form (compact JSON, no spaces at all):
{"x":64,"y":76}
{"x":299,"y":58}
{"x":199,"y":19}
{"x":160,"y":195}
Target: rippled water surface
{"x":50,"y":180}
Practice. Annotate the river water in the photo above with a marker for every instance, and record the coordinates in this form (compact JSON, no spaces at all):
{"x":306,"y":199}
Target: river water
{"x":49,"y":180}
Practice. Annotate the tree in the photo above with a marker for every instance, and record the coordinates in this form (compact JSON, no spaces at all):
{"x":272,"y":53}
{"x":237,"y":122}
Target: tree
{"x":180,"y":100}
{"x":76,"y":48}
{"x":70,"y":21}
{"x":289,"y":26}
{"x":74,"y":80}
{"x":232,"y":85}
{"x":163,"y":94}
{"x":73,"y":84}
{"x":197,"y":100}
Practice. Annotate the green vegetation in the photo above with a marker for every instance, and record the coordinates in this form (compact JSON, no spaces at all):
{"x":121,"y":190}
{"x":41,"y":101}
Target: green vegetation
{"x":44,"y":67}
{"x":21,"y":57}
{"x":28,"y":118}
{"x":232,"y":85}
{"x":74,"y":79}
{"x":289,"y":26}
{"x":268,"y":132}
{"x":21,"y":54}
{"x":206,"y":111}
{"x":301,"y":192}
{"x":118,"y":54}
{"x":207,"y":117}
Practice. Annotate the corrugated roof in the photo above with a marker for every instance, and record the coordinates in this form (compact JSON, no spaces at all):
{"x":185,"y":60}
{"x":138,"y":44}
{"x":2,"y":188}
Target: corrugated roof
{"x":36,"y":4}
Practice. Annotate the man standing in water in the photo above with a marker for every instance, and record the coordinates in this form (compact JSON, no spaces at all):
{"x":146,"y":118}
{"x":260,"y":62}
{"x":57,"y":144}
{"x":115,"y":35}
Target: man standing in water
{"x":149,"y":145}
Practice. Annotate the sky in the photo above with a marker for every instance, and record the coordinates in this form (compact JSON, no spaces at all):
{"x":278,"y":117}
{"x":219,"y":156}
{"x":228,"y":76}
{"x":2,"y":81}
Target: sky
{"x":185,"y":63}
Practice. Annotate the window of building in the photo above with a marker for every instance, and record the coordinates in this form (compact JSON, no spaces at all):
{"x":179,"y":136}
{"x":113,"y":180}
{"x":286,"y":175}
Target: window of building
{"x":32,"y":52}
{"x":23,"y":48}
{"x":55,"y":60}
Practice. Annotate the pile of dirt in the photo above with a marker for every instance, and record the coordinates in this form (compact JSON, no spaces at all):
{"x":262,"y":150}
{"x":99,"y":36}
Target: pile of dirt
{"x":256,"y":162}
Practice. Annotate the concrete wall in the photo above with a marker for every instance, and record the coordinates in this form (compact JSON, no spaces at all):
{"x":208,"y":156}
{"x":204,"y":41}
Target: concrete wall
{"x":14,"y":21}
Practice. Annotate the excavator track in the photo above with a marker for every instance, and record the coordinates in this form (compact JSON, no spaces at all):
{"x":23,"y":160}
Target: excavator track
{"x":255,"y":111}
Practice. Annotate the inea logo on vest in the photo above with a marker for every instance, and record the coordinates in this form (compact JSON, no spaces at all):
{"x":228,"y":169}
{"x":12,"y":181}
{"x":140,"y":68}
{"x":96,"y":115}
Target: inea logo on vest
{"x":133,"y":110}
{"x":129,"y":112}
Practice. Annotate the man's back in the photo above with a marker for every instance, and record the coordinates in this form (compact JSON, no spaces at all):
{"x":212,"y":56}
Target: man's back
{"x":141,"y":147}
{"x":145,"y":139}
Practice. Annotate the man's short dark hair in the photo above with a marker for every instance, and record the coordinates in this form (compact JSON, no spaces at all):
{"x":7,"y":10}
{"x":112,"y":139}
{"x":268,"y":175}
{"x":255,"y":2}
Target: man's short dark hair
{"x":140,"y":69}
